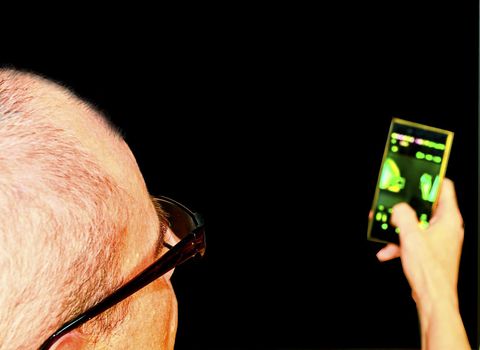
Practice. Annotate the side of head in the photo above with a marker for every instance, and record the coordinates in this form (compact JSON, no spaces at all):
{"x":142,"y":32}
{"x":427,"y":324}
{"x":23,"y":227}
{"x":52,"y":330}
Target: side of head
{"x":75,"y":216}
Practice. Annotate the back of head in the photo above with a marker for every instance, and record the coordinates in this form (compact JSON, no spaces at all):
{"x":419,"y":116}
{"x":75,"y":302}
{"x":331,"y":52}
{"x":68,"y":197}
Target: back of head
{"x":61,"y":215}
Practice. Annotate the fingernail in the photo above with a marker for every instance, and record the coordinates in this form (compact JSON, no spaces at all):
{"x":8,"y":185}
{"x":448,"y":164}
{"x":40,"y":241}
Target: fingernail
{"x":380,"y":255}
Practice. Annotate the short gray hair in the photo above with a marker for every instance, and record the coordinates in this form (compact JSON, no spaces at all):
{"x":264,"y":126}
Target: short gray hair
{"x":61,"y":217}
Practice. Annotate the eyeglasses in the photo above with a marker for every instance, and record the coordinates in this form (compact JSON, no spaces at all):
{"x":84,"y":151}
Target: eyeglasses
{"x":187,"y":225}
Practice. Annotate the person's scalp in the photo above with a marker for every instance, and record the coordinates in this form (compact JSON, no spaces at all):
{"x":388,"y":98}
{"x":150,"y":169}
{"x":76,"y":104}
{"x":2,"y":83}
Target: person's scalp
{"x":61,"y":212}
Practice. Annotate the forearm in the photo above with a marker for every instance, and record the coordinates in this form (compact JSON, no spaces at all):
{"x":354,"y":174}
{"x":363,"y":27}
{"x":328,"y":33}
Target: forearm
{"x":440,"y":320}
{"x":445,"y":329}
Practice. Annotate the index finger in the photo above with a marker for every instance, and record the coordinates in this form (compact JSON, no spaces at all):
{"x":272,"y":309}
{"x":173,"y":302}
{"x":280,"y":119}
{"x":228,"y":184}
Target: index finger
{"x":447,"y":208}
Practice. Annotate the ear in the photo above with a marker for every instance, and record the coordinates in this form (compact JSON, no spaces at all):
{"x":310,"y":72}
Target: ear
{"x":73,"y":340}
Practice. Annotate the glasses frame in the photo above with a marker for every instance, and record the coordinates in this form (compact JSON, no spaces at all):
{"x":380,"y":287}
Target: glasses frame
{"x":191,"y":245}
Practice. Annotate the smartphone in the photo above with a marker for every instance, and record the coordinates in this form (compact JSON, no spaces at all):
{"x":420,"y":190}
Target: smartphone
{"x":412,"y":169}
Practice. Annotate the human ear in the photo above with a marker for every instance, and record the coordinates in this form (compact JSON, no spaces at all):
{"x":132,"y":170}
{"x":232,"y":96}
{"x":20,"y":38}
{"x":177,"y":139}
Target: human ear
{"x":73,"y":340}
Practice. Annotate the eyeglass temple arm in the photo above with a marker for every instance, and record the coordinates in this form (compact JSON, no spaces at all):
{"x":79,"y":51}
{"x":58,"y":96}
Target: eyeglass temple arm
{"x":187,"y":248}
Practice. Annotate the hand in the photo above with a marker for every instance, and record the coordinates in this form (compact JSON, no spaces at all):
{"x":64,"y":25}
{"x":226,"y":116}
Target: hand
{"x":430,"y":260}
{"x":434,"y":251}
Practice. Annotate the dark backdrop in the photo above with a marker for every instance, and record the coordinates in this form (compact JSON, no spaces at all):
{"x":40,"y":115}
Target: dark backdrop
{"x":272,"y":123}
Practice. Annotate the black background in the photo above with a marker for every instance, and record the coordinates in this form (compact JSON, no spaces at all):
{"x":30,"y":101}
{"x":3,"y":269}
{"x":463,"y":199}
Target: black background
{"x":272,"y":123}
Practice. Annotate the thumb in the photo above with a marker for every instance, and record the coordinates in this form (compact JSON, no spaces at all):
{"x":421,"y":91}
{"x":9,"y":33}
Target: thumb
{"x":405,"y":218}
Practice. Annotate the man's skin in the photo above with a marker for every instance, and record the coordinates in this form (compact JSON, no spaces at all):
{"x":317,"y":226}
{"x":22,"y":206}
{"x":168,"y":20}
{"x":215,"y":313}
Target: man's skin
{"x":152,"y":318}
{"x":430,"y":260}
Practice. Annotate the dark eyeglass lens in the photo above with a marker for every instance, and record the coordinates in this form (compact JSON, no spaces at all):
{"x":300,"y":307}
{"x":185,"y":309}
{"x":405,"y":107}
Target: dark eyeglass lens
{"x":181,"y":222}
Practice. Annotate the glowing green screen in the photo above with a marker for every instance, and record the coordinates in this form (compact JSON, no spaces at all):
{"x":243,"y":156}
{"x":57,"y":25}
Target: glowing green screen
{"x":410,"y":173}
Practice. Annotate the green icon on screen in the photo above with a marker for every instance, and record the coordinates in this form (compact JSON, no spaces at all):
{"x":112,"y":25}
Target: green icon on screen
{"x":429,"y":190}
{"x":390,"y":178}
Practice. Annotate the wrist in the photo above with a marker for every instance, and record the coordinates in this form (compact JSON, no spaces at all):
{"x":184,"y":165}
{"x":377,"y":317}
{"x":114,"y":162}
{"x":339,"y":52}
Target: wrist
{"x":437,"y":293}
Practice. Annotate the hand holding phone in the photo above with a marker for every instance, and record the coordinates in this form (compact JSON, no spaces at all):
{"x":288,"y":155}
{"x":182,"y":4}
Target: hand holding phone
{"x":413,"y":166}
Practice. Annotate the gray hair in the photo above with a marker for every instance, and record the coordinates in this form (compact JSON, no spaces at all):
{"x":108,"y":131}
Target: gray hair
{"x":61,"y":217}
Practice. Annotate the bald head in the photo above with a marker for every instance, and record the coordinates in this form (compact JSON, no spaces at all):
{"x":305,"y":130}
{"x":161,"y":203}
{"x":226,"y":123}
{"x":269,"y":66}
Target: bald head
{"x":72,"y":201}
{"x":38,"y":99}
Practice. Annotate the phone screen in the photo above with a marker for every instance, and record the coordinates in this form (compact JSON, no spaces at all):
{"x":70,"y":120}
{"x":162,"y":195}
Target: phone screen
{"x":413,"y":166}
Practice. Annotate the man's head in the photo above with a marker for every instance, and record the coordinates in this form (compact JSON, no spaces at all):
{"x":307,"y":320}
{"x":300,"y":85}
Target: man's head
{"x":76,"y":222}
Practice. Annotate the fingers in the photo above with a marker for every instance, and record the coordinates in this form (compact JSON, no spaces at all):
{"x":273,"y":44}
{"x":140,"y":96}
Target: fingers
{"x":447,"y":208}
{"x":404,"y":217}
{"x":389,"y":252}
